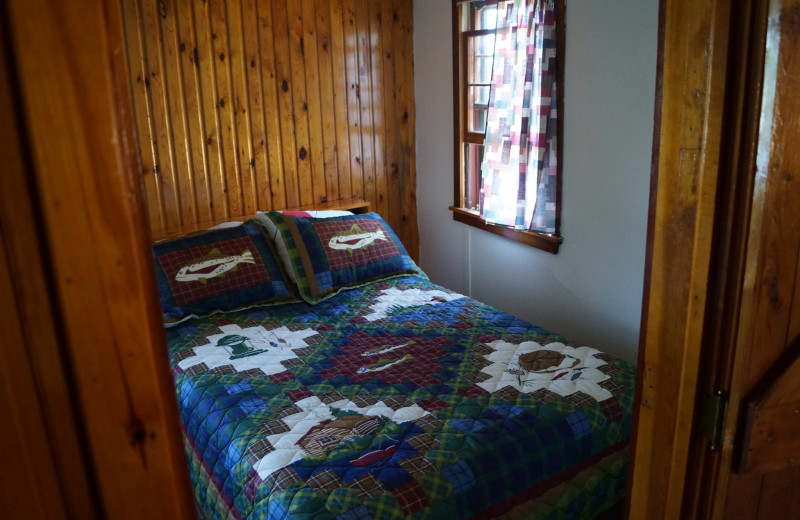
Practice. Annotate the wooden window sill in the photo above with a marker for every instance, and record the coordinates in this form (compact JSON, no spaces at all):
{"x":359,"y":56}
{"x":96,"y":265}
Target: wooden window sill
{"x":549,"y":243}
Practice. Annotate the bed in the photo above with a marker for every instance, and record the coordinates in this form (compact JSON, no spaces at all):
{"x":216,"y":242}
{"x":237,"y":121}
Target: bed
{"x":386,"y":397}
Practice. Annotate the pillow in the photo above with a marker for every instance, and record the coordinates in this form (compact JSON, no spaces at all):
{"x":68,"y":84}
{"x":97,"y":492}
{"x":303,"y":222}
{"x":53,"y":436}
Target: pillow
{"x":218,"y":270}
{"x":277,"y":238}
{"x":330,"y":254}
{"x":224,"y":225}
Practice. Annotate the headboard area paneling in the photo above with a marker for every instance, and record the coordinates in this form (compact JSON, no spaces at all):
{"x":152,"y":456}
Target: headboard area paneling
{"x":246,"y":105}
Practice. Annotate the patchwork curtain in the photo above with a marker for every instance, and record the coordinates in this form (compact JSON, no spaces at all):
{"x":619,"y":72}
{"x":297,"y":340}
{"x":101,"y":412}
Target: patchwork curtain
{"x":518,"y":173}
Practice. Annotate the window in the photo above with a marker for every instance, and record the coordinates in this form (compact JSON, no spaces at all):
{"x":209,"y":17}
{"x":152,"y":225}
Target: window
{"x":475,"y":29}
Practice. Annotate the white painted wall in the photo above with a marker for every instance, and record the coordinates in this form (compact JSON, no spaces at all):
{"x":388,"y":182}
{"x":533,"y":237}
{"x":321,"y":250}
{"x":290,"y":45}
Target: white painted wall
{"x":591,"y":291}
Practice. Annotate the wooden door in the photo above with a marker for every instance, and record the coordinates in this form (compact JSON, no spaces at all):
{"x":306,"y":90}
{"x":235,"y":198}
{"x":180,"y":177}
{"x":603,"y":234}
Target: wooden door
{"x":756,"y":473}
{"x":92,"y":428}
{"x":722,"y":299}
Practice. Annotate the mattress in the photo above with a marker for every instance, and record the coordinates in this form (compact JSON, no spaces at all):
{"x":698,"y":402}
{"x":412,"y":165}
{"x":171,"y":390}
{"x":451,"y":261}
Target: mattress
{"x":397,"y":399}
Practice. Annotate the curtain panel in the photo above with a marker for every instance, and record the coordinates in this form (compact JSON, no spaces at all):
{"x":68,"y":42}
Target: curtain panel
{"x":519,"y":168}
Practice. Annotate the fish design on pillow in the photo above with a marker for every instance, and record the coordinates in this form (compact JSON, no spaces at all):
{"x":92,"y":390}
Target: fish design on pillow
{"x":214,"y":264}
{"x":355,"y":238}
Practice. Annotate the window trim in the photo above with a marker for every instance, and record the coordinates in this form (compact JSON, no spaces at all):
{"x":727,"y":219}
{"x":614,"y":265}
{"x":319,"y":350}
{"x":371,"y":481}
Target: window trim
{"x":546,"y":242}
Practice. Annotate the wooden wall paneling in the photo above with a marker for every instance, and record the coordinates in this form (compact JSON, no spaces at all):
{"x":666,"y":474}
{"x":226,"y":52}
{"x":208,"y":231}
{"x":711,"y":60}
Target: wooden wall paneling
{"x":300,"y":103}
{"x":405,"y":93}
{"x":365,"y":97}
{"x":192,"y":112}
{"x":284,"y":77}
{"x":177,"y":115}
{"x":245,"y":105}
{"x":388,"y":16}
{"x":76,"y":104}
{"x":226,"y":106}
{"x":271,"y":110}
{"x":353,"y":94}
{"x":164,"y":166}
{"x":340,"y":94}
{"x":142,"y":100}
{"x":326,"y":86}
{"x":681,"y":226}
{"x":206,"y":63}
{"x":258,"y":164}
{"x":379,"y":113}
{"x":313,"y":101}
{"x":240,"y":106}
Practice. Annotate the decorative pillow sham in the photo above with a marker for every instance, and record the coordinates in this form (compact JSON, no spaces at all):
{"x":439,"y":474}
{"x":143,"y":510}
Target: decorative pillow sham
{"x":277,"y":238}
{"x":330,"y":254}
{"x":218,"y":270}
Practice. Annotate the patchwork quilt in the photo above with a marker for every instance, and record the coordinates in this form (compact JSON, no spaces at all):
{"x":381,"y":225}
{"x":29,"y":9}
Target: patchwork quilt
{"x":398,"y":399}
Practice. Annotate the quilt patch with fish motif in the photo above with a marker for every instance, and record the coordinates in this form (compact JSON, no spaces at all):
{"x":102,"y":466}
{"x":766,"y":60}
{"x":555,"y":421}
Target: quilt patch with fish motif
{"x":398,"y":399}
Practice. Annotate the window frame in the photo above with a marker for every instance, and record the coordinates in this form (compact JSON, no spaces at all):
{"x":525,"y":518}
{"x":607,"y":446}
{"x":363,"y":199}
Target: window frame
{"x":543,"y":241}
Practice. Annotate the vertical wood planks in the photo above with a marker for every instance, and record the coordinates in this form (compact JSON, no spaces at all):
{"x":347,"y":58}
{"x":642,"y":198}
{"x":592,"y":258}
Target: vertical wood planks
{"x":404,"y":63}
{"x":388,"y":15}
{"x":221,"y":55}
{"x":269,"y":77}
{"x":299,"y":103}
{"x":240,"y":106}
{"x":339,"y":81}
{"x":378,"y":123}
{"x":353,"y":95}
{"x":193,"y":112}
{"x":246,"y":105}
{"x":287,"y":115}
{"x":204,"y":61}
{"x":258,"y":160}
{"x":326,"y":86}
{"x":176,"y":101}
{"x":313,"y":102}
{"x":365,"y":98}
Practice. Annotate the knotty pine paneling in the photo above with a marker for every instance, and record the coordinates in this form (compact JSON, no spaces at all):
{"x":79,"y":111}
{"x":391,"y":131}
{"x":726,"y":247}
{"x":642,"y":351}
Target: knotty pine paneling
{"x":246,"y":105}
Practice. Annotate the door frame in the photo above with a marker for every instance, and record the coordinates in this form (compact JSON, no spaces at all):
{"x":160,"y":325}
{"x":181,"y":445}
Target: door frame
{"x":703,"y":242}
{"x":702,"y":95}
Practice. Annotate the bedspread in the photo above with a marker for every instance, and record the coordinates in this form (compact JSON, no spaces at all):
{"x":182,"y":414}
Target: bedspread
{"x":396,"y":399}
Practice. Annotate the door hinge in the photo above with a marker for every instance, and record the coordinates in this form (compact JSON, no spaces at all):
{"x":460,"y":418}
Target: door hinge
{"x":712,"y":418}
